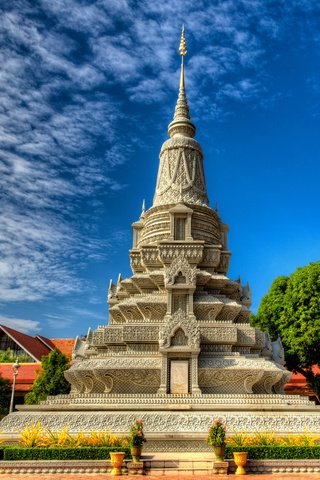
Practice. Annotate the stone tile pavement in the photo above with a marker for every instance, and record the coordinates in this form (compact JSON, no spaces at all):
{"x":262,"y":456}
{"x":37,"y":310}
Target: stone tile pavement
{"x":100,"y":476}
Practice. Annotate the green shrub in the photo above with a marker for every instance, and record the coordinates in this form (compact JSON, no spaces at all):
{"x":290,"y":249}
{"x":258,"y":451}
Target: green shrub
{"x":276,"y":452}
{"x":5,"y":394}
{"x":82,"y":453}
{"x":51,"y":380}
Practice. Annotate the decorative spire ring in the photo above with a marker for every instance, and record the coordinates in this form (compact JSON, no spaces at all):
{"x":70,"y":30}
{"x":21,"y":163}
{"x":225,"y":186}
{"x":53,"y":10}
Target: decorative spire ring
{"x":183,"y":45}
{"x":183,"y":53}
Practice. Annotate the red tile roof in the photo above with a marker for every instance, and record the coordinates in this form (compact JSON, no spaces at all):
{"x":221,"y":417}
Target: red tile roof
{"x":32,"y":345}
{"x":27,"y":374}
{"x":298,"y":383}
{"x":65,"y":345}
{"x":46,"y":341}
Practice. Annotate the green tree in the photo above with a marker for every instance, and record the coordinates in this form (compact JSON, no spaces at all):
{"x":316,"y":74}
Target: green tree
{"x":291,"y":309}
{"x":9,"y":356}
{"x":51,"y":380}
{"x":5,"y":394}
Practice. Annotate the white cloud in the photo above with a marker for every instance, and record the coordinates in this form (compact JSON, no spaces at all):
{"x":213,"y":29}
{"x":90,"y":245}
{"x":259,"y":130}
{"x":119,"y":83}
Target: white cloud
{"x":22,"y":325}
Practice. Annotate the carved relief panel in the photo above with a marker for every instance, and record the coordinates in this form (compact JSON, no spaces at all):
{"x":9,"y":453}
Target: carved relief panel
{"x":179,"y":376}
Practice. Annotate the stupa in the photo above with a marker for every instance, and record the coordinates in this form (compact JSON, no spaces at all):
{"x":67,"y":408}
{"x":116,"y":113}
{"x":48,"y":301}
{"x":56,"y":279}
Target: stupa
{"x":178,"y":350}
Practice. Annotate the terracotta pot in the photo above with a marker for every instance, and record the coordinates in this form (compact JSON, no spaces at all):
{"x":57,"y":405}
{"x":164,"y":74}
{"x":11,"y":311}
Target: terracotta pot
{"x":219,"y":452}
{"x":116,"y":462}
{"x":136,"y":453}
{"x":240,"y":459}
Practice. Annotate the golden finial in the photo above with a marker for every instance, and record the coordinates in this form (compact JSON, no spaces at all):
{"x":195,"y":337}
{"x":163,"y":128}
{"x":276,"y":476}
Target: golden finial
{"x":183,"y":52}
{"x":183,"y":46}
{"x":181,"y":123}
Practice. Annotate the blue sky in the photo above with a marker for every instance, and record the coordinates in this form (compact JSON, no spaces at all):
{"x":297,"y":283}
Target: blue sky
{"x":87,"y":89}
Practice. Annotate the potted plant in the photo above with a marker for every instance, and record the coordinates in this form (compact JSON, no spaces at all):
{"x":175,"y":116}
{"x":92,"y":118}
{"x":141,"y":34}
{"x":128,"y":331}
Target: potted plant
{"x":137,"y":440}
{"x":116,"y":462}
{"x":216,"y":439}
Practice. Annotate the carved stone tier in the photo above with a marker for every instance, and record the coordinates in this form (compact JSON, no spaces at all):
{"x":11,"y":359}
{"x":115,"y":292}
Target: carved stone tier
{"x":185,"y":419}
{"x":150,"y":401}
{"x":181,"y":173}
{"x":205,"y":225}
{"x":239,"y":375}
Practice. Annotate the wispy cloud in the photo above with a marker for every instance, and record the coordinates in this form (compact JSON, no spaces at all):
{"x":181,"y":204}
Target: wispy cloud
{"x":20,"y":324}
{"x":69,"y":73}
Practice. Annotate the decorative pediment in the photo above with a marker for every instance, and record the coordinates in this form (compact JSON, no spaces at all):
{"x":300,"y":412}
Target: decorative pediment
{"x":180,"y":272}
{"x":180,"y":327}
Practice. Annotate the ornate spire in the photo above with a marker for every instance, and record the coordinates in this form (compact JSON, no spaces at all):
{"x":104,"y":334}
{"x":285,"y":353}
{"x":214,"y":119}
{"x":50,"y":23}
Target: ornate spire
{"x":181,"y":124}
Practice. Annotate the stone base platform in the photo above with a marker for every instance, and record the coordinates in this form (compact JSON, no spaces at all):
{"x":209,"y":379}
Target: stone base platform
{"x":160,"y":465}
{"x":172,"y":422}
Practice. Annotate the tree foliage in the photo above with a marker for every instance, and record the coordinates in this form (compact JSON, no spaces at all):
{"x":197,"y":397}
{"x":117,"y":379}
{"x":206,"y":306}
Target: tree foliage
{"x":5,"y":394}
{"x":291,"y":309}
{"x":51,"y":380}
{"x":9,"y":356}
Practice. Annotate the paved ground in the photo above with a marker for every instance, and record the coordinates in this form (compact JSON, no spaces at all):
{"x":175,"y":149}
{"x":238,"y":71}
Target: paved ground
{"x":100,"y":476}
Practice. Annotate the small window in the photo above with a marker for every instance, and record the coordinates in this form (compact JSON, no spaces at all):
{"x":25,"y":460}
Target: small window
{"x":179,"y":228}
{"x":180,"y":279}
{"x":179,"y":339}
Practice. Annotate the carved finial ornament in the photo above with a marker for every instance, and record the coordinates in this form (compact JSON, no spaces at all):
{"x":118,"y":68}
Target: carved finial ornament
{"x":183,"y":53}
{"x":181,"y":124}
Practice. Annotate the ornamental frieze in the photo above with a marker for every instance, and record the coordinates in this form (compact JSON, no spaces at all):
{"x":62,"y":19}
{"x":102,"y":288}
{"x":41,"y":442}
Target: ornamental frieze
{"x":140,"y":333}
{"x":114,"y":334}
{"x":109,"y":362}
{"x":246,"y":336}
{"x":150,"y":256}
{"x":218,"y":334}
{"x":238,"y":363}
{"x":163,"y":422}
{"x":193,"y":253}
{"x":226,"y":381}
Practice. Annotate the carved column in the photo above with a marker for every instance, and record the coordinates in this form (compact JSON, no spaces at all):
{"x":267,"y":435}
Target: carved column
{"x":188,"y":228}
{"x":190,"y":310}
{"x":194,"y":374}
{"x":164,"y":374}
{"x":169,"y":302}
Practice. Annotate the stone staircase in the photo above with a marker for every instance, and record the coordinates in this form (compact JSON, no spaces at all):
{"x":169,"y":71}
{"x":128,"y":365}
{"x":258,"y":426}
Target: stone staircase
{"x":191,"y":463}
